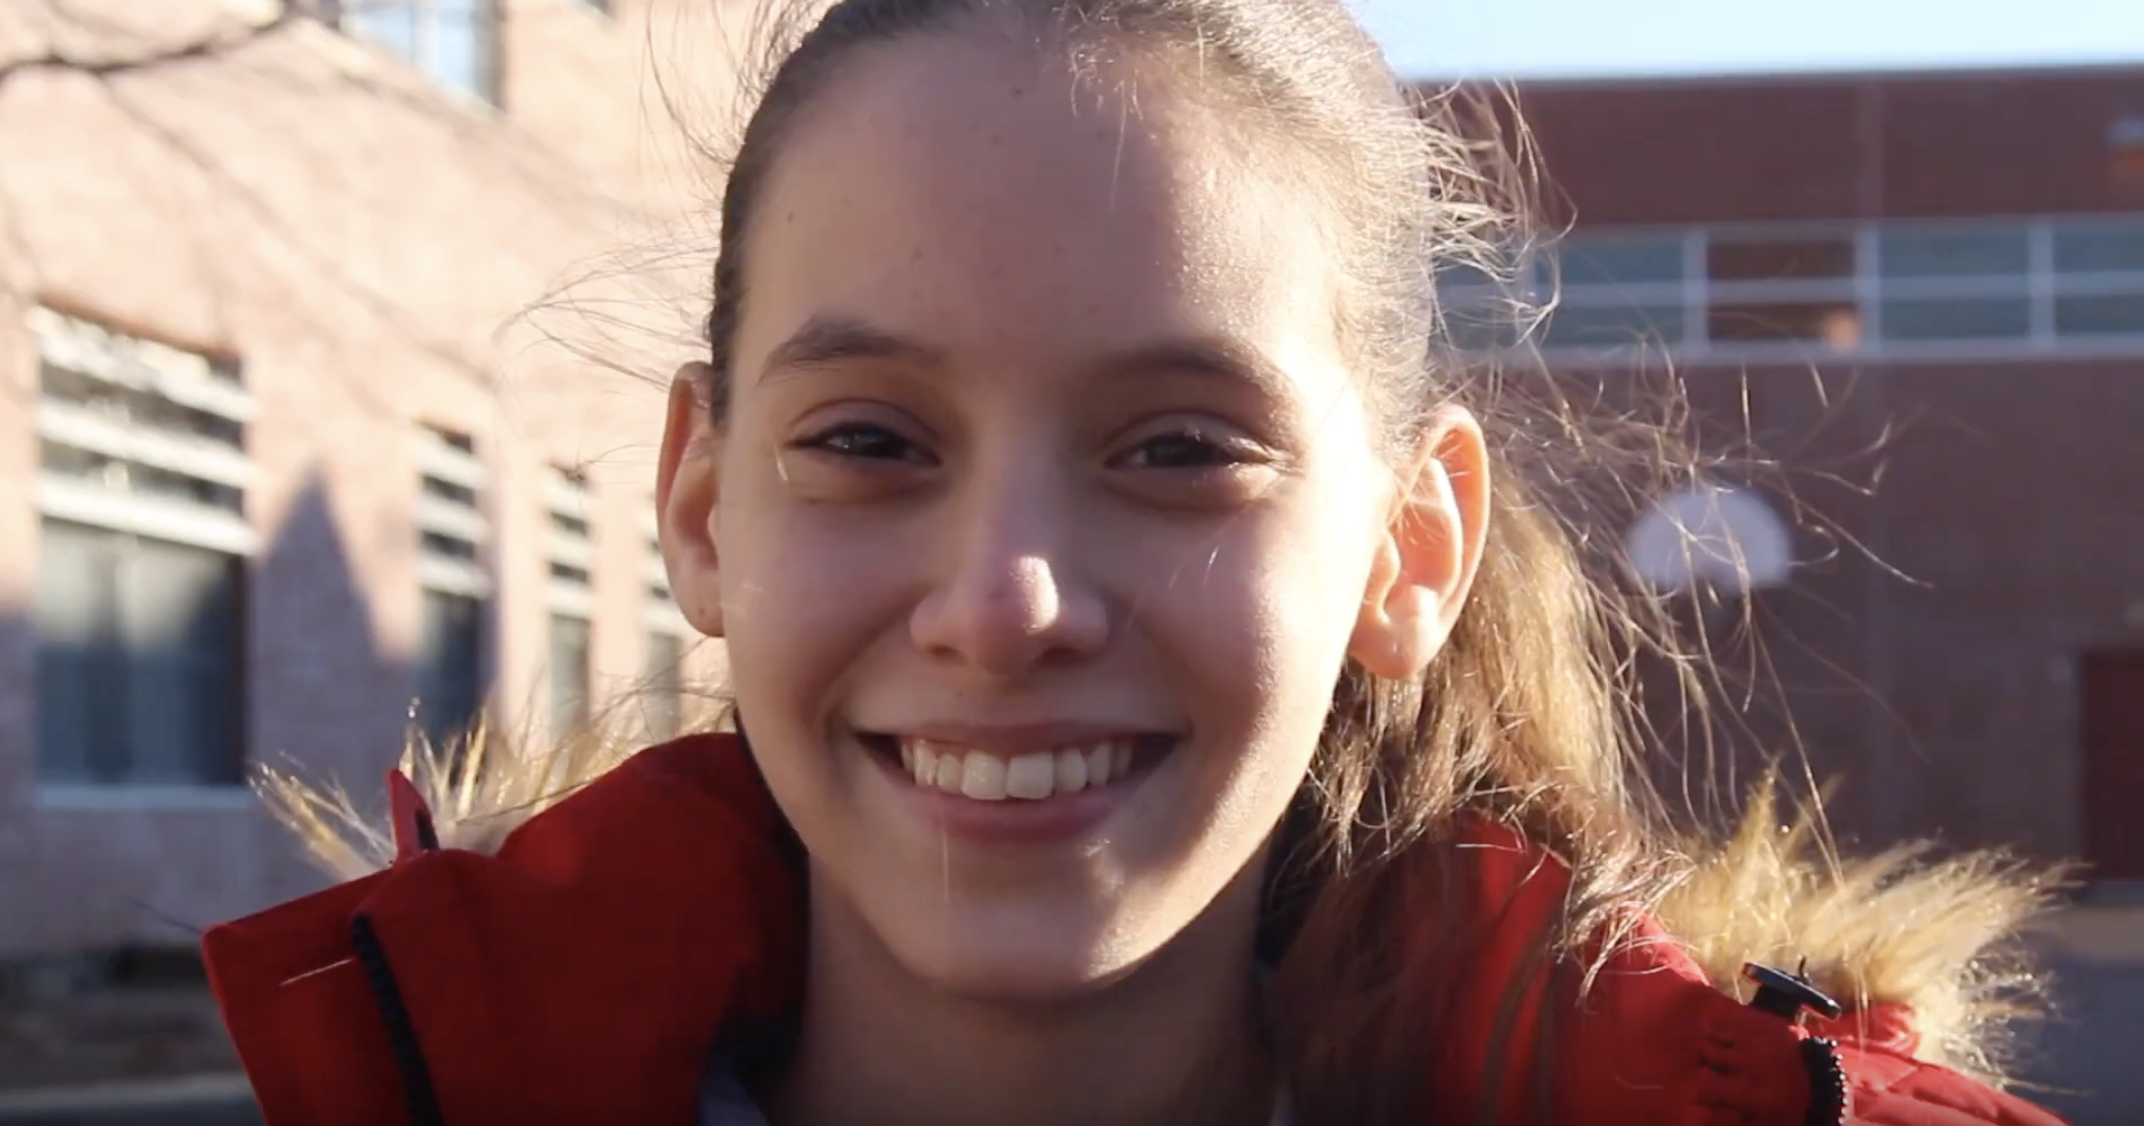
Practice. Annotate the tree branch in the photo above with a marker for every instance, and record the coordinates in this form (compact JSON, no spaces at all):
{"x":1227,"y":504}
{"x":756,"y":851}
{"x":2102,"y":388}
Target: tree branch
{"x":213,"y":45}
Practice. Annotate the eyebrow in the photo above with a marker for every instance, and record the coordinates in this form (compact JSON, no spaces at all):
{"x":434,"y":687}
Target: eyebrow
{"x":827,"y":340}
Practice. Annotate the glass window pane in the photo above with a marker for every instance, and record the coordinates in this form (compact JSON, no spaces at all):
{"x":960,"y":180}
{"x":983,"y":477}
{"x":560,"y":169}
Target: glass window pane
{"x":1482,"y":327}
{"x":2101,"y":248}
{"x":392,"y":24}
{"x":1957,"y":318}
{"x":569,"y":674}
{"x":1575,"y":325}
{"x":1836,"y":324}
{"x":1619,"y":259}
{"x":450,"y":693}
{"x":181,"y":626}
{"x":461,"y":45}
{"x":1796,"y":259}
{"x":1954,"y":253}
{"x":2100,"y":314}
{"x":1457,"y":278}
{"x":78,"y":677}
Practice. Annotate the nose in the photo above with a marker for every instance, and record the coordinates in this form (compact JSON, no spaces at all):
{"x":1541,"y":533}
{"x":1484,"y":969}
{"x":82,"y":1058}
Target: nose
{"x":1011,"y":598}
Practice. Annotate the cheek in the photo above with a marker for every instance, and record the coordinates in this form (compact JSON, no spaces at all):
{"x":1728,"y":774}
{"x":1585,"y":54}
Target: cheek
{"x":802,"y":589}
{"x":1268,"y":622}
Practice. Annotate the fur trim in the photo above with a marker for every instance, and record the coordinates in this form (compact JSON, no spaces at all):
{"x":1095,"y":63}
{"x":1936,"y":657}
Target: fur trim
{"x":478,"y":790}
{"x":1941,"y":939}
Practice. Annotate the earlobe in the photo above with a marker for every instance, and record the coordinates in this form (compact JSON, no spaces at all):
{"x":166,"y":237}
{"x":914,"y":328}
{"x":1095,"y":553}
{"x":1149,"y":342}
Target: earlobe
{"x":1429,"y":552}
{"x":687,"y":485}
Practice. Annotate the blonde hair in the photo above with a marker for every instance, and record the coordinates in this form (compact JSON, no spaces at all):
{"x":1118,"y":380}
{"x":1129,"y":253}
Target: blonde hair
{"x":1529,"y":716}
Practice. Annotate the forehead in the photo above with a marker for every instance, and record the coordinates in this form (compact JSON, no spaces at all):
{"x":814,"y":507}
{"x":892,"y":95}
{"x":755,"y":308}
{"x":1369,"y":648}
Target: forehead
{"x":971,"y":189}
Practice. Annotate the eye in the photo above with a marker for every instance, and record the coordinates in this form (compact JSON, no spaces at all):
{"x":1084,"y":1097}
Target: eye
{"x":1186,"y":449}
{"x":862,"y":441}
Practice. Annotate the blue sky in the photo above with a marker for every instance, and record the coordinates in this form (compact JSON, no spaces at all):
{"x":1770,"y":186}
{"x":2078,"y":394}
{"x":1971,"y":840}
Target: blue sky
{"x":1598,"y":38}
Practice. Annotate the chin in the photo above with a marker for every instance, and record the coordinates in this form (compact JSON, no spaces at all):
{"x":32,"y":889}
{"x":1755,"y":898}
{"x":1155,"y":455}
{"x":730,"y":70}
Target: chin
{"x":1031,"y":964}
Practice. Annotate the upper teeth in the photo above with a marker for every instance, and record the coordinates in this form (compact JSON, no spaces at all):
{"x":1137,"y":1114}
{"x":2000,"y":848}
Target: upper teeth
{"x":1031,"y":777}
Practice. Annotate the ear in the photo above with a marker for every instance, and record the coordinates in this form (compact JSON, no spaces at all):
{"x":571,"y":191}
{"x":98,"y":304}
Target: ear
{"x":1429,"y":552}
{"x":686,"y":488}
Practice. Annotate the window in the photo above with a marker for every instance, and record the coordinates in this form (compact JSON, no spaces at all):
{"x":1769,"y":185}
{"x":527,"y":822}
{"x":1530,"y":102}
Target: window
{"x":1908,"y":287}
{"x":140,"y":590}
{"x":452,"y":533}
{"x":572,"y":597}
{"x":1619,"y":291}
{"x":1943,"y":282}
{"x":2098,"y":279}
{"x":573,"y":548}
{"x":1782,"y":289}
{"x":456,"y":42}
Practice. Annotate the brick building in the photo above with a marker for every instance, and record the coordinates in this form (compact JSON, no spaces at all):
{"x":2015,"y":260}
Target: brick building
{"x":1940,"y":276}
{"x":270,"y":466}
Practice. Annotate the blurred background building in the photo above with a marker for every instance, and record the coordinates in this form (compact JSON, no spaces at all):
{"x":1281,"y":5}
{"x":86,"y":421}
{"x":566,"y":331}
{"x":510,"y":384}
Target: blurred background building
{"x":283,"y":448}
{"x":1931,"y":285}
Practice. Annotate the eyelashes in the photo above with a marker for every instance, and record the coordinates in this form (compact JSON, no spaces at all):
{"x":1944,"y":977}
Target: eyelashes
{"x":863,"y":441}
{"x":1183,"y":449}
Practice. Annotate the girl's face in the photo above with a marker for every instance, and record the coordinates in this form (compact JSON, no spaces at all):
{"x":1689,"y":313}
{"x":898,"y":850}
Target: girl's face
{"x":1045,"y":513}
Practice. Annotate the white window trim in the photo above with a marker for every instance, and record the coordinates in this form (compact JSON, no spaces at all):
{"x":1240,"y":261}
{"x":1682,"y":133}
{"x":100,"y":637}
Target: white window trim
{"x":1699,"y":293}
{"x":138,"y":365}
{"x":141,"y":797}
{"x":453,"y":576}
{"x":573,"y":551}
{"x":437,"y":459}
{"x":569,"y":498}
{"x":64,"y":498}
{"x":77,"y":427}
{"x":572,"y":600}
{"x":2099,"y":284}
{"x":453,"y":521}
{"x":564,"y":498}
{"x":441,"y":460}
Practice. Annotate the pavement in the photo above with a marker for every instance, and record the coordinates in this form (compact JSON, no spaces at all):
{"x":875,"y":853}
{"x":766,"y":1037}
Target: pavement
{"x":212,"y":1100}
{"x":2093,"y":1054}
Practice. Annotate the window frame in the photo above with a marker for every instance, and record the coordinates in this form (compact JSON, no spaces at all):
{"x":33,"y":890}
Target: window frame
{"x":488,"y":26}
{"x":1866,"y":291}
{"x":452,"y":458}
{"x":145,"y":371}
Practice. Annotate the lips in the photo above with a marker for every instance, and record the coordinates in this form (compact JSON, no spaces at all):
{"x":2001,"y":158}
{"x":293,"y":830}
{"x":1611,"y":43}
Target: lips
{"x":1034,"y":775}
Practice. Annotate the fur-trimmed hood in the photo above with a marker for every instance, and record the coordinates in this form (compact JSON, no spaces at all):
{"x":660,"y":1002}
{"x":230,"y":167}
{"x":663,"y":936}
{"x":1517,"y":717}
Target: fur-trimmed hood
{"x":1936,"y":946}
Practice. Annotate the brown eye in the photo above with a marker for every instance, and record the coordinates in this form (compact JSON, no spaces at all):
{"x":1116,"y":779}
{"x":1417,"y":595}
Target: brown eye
{"x":1182,"y":450}
{"x":864,"y":442}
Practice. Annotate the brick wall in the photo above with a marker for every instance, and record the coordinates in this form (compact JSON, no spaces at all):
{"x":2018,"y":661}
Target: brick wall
{"x":364,"y":243}
{"x":1928,"y":651}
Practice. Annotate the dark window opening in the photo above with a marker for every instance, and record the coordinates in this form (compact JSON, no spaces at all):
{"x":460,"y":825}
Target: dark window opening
{"x":140,"y":660}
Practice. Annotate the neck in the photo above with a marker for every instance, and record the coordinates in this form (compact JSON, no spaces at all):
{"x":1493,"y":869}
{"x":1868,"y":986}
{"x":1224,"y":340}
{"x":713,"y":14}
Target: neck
{"x":1177,"y":1040}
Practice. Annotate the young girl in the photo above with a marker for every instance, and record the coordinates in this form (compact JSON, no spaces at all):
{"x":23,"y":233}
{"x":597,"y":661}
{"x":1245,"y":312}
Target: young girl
{"x":1167,"y":699}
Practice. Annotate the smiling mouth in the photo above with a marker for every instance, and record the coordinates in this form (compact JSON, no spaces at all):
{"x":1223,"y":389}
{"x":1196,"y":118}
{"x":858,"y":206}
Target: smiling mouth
{"x":1030,"y":776}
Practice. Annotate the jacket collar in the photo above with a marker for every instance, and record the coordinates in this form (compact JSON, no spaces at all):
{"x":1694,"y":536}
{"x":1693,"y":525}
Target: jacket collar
{"x":584,"y":972}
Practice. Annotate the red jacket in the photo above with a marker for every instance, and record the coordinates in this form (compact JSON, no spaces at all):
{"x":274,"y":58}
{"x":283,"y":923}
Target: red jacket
{"x":581,"y":974}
